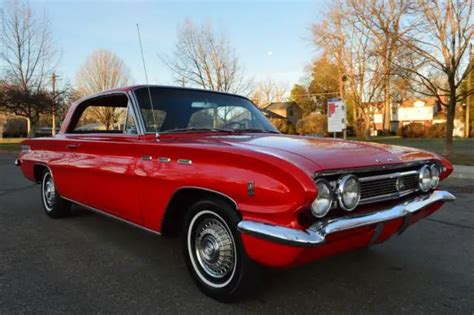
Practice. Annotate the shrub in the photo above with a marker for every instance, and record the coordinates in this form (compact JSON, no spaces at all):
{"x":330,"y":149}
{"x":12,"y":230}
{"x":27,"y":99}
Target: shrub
{"x":436,"y":131}
{"x":413,"y":130}
{"x":284,"y":126}
{"x":361,"y":128}
{"x":312,"y":124}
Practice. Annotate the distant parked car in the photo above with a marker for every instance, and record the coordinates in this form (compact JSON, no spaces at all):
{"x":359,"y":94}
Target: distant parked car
{"x":210,"y":167}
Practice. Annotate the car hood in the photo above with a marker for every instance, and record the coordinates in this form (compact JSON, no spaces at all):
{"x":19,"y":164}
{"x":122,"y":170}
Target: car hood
{"x":328,"y":153}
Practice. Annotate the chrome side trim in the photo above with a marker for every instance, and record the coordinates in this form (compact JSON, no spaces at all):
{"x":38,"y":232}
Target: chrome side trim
{"x":184,"y":161}
{"x":164,"y":159}
{"x":316,"y":234}
{"x":109,"y":215}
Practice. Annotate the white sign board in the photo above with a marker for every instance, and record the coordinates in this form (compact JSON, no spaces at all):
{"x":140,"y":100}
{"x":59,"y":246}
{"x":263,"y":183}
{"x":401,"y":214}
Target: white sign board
{"x":336,"y":115}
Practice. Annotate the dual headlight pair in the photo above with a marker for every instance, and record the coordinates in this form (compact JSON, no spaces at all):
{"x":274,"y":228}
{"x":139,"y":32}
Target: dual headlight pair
{"x":348,"y":190}
{"x":429,"y":177}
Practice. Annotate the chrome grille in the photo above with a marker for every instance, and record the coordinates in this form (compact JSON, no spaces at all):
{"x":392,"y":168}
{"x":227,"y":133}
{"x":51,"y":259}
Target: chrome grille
{"x":388,"y":186}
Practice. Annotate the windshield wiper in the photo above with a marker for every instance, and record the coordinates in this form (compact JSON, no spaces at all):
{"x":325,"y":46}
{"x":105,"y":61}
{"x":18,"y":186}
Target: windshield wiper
{"x":193,"y":129}
{"x":255,"y":130}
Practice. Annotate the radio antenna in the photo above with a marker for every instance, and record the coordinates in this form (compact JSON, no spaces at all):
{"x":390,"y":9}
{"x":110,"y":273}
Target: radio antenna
{"x":147,"y":84}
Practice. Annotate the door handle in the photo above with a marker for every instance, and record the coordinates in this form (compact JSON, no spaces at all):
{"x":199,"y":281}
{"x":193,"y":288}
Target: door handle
{"x":72,"y":146}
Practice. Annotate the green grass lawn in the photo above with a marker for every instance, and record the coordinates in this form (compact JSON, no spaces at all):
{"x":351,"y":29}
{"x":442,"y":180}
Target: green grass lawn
{"x":10,"y":144}
{"x":463,"y":148}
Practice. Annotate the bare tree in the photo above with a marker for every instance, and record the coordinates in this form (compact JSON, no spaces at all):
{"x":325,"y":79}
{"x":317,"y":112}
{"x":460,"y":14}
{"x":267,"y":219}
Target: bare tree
{"x":358,"y":63}
{"x":441,"y":42}
{"x":102,"y":70}
{"x":385,"y":22}
{"x":28,"y":54}
{"x":268,"y":91}
{"x":206,"y":59}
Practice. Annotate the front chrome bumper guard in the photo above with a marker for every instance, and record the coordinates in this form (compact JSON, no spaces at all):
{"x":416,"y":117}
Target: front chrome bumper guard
{"x":316,"y":234}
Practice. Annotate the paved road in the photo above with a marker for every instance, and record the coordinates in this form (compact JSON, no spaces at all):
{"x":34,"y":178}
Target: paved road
{"x":91,"y":264}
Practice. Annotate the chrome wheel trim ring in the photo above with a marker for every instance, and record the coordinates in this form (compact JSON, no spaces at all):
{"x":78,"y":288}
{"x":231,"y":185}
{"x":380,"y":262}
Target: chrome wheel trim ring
{"x":48,"y":191}
{"x":203,"y":249}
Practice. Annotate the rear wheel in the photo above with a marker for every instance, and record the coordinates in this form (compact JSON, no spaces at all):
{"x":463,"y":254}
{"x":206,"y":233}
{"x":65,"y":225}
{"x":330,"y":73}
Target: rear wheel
{"x":53,"y":204}
{"x":214,"y":252}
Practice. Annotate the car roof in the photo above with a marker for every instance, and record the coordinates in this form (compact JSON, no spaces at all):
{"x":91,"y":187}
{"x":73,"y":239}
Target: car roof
{"x":130,"y":88}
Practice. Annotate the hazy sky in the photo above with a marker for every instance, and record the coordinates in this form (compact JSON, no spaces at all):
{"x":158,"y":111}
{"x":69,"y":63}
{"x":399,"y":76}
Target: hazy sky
{"x":270,"y":37}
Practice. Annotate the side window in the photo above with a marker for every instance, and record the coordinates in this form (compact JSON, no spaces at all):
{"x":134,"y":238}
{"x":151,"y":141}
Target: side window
{"x":107,"y":114}
{"x":130,"y":123}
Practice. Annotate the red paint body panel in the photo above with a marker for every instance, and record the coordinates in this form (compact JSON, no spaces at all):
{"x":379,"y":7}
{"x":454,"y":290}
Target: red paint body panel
{"x":282,"y":256}
{"x":107,"y":172}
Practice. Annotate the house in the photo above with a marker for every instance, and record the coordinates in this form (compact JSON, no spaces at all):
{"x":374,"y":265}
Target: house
{"x":414,"y":111}
{"x":286,"y":110}
{"x":426,"y":111}
{"x":403,"y":113}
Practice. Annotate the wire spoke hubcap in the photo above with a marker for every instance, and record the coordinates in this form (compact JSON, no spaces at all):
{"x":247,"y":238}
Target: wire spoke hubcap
{"x":214,"y":248}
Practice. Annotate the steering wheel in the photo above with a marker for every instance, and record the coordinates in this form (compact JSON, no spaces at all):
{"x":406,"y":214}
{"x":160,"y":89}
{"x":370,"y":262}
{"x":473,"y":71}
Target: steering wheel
{"x":232,"y":125}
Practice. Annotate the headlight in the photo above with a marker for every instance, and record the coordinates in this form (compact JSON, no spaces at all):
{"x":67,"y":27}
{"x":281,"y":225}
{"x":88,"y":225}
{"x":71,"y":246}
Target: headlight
{"x":348,"y":192}
{"x":425,"y":178}
{"x":323,"y":202}
{"x":434,"y":176}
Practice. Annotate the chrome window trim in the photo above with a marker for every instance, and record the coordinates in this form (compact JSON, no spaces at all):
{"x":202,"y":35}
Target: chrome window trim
{"x":138,"y":115}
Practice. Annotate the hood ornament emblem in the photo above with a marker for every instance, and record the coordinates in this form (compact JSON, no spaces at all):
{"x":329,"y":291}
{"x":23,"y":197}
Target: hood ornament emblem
{"x":400,"y":185}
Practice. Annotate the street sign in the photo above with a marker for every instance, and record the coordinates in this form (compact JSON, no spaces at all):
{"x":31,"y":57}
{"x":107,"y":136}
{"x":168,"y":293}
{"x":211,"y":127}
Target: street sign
{"x":336,"y":115}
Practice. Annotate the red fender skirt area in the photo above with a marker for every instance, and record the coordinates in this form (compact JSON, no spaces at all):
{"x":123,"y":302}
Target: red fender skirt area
{"x":273,"y":252}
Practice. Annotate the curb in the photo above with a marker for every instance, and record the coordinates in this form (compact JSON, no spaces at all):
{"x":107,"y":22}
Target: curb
{"x":463,"y":171}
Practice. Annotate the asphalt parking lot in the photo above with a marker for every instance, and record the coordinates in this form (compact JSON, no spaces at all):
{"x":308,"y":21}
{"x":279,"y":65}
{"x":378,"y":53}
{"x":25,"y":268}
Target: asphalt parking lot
{"x":91,"y":264}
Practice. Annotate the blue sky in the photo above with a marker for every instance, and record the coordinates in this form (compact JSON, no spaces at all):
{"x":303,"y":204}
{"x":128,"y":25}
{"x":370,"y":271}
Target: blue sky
{"x":270,"y":37}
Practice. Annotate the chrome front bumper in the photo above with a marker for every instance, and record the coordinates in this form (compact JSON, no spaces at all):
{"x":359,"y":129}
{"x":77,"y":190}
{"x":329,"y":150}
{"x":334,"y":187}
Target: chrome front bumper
{"x":316,"y":234}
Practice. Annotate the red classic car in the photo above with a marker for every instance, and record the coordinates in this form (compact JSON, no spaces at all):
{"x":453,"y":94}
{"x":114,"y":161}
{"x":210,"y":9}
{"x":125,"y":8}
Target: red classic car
{"x":209,"y":167}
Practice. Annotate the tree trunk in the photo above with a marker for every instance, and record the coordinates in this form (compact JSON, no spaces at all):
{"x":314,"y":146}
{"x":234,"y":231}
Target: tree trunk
{"x":450,"y":124}
{"x":28,"y":128}
{"x":387,"y":105}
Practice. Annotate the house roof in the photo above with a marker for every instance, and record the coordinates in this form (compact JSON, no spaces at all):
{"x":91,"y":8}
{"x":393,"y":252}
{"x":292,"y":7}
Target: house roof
{"x":270,"y":114}
{"x":280,"y":105}
{"x":431,"y":101}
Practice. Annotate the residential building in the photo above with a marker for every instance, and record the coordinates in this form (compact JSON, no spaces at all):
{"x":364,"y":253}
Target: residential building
{"x":287,"y":110}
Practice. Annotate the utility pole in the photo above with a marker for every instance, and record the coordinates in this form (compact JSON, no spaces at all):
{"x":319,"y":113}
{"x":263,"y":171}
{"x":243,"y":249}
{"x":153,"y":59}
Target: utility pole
{"x":469,"y":93}
{"x":53,"y":109}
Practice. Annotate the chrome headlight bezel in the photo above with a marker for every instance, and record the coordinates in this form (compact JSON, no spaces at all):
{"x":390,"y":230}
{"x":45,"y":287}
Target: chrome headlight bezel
{"x":342,"y":188}
{"x":319,"y":213}
{"x":424,"y":182}
{"x":435,"y":176}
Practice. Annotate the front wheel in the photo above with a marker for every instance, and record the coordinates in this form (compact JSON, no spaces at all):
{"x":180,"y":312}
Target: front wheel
{"x":214,"y":253}
{"x":53,"y":204}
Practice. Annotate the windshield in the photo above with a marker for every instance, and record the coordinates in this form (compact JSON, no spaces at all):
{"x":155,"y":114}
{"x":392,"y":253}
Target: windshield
{"x":182,"y":110}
